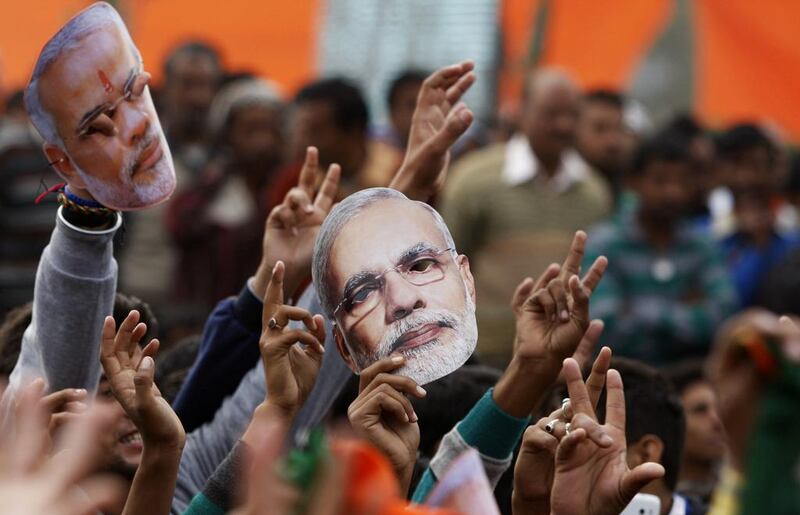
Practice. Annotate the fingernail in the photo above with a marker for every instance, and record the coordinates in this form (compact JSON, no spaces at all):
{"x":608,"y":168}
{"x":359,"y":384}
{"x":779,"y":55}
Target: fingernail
{"x":421,"y":391}
{"x":147,"y":363}
{"x":413,"y":417}
{"x":321,"y":348}
{"x":79,"y":391}
{"x":564,"y":314}
{"x":397,"y":359}
{"x":606,"y":440}
{"x":465,"y":115}
{"x":309,"y":209}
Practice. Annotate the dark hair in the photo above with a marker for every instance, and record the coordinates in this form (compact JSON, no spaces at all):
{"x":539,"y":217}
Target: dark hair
{"x":792,"y":184}
{"x":16,"y":100}
{"x":191,"y":49}
{"x":684,"y":126}
{"x":349,"y":108}
{"x":11,"y":331}
{"x":449,"y":400}
{"x":605,"y":96}
{"x":404,"y":78}
{"x":174,"y":365}
{"x":685,"y":373}
{"x":19,"y":318}
{"x":778,"y":289}
{"x":651,"y":408}
{"x":661,"y":148}
{"x":123,"y":304}
{"x":742,"y":138}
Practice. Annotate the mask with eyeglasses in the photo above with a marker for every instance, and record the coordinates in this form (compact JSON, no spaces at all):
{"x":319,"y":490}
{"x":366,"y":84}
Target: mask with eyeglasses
{"x":367,"y":291}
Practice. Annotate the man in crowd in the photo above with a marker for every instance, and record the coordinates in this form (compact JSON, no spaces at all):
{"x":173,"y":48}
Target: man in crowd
{"x":666,"y":289}
{"x":192,"y":75}
{"x":748,"y":162}
{"x":216,"y":223}
{"x":513,"y":207}
{"x":705,"y":446}
{"x":600,"y":135}
{"x":330,"y":114}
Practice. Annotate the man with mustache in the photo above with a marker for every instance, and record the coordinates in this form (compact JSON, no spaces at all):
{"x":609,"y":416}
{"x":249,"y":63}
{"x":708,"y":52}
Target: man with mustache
{"x":89,"y":99}
{"x":404,"y":288}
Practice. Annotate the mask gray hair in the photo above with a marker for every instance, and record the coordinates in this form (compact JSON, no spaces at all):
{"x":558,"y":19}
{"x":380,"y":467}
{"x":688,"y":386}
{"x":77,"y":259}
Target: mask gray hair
{"x":86,"y":22}
{"x":337,"y":219}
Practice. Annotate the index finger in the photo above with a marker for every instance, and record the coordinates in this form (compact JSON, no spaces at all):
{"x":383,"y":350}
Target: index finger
{"x":595,"y":273}
{"x":382,"y":365}
{"x":578,"y":395}
{"x":329,"y":189}
{"x":308,"y":174}
{"x":572,"y":263}
{"x":274,"y":295}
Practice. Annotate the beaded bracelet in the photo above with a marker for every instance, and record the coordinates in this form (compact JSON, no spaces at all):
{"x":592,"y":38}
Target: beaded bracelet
{"x":87,"y":207}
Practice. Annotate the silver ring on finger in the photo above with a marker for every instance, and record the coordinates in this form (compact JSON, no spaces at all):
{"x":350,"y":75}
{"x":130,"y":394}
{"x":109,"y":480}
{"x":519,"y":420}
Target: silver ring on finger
{"x":566,"y":409}
{"x":273,"y":324}
{"x":568,"y":428}
{"x":550,"y":427}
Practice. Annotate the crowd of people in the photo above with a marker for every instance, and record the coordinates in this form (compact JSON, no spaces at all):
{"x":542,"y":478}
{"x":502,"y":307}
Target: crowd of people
{"x":567,"y":312}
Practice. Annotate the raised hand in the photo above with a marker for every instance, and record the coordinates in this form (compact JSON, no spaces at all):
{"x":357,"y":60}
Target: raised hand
{"x":535,"y":467}
{"x":553,"y":312}
{"x":591,"y":472}
{"x":129,"y":370}
{"x":293,"y":225}
{"x":384,"y":416}
{"x":438,"y":121}
{"x":291,"y":368}
{"x":32,"y":484}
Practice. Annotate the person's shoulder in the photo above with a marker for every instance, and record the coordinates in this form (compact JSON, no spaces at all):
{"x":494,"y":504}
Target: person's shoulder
{"x":605,"y":235}
{"x":481,"y":167}
{"x":594,"y":187}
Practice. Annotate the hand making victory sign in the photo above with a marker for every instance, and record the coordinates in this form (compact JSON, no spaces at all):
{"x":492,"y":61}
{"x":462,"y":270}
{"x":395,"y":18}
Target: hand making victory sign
{"x":553,"y":312}
{"x":439,"y":120}
{"x":591,"y":473}
{"x":293,"y":225}
{"x":291,"y":368}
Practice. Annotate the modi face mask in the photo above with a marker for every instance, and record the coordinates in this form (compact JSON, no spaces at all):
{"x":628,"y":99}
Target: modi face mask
{"x":89,"y":99}
{"x":387,"y":273}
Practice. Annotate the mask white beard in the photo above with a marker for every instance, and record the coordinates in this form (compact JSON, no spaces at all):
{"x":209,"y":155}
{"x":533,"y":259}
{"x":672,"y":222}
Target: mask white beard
{"x":435,"y":359}
{"x":126,"y":195}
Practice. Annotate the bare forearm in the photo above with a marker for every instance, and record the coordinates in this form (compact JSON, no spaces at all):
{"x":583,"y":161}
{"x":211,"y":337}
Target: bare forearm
{"x":522,"y":386}
{"x":154,"y":483}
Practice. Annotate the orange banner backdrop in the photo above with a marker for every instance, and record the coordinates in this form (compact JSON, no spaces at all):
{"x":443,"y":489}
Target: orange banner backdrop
{"x":275,"y":39}
{"x":601,"y":43}
{"x":748,"y":62}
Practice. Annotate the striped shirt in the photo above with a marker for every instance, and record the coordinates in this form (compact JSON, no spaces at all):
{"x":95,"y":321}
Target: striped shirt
{"x":658,"y":306}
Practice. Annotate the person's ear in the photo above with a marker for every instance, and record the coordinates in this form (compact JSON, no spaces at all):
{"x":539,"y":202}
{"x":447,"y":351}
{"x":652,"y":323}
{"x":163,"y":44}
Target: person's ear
{"x":63,"y":166}
{"x":648,"y":448}
{"x":466,"y":275}
{"x":341,"y":346}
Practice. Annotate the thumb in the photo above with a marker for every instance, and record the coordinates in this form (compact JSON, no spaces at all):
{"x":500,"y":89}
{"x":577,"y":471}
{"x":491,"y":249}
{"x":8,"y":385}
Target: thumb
{"x":143,"y":381}
{"x":636,"y":479}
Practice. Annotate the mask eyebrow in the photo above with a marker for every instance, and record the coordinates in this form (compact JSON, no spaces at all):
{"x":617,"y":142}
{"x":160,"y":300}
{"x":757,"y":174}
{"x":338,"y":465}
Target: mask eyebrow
{"x":420,"y":249}
{"x":97,"y":110}
{"x":357,"y":280}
